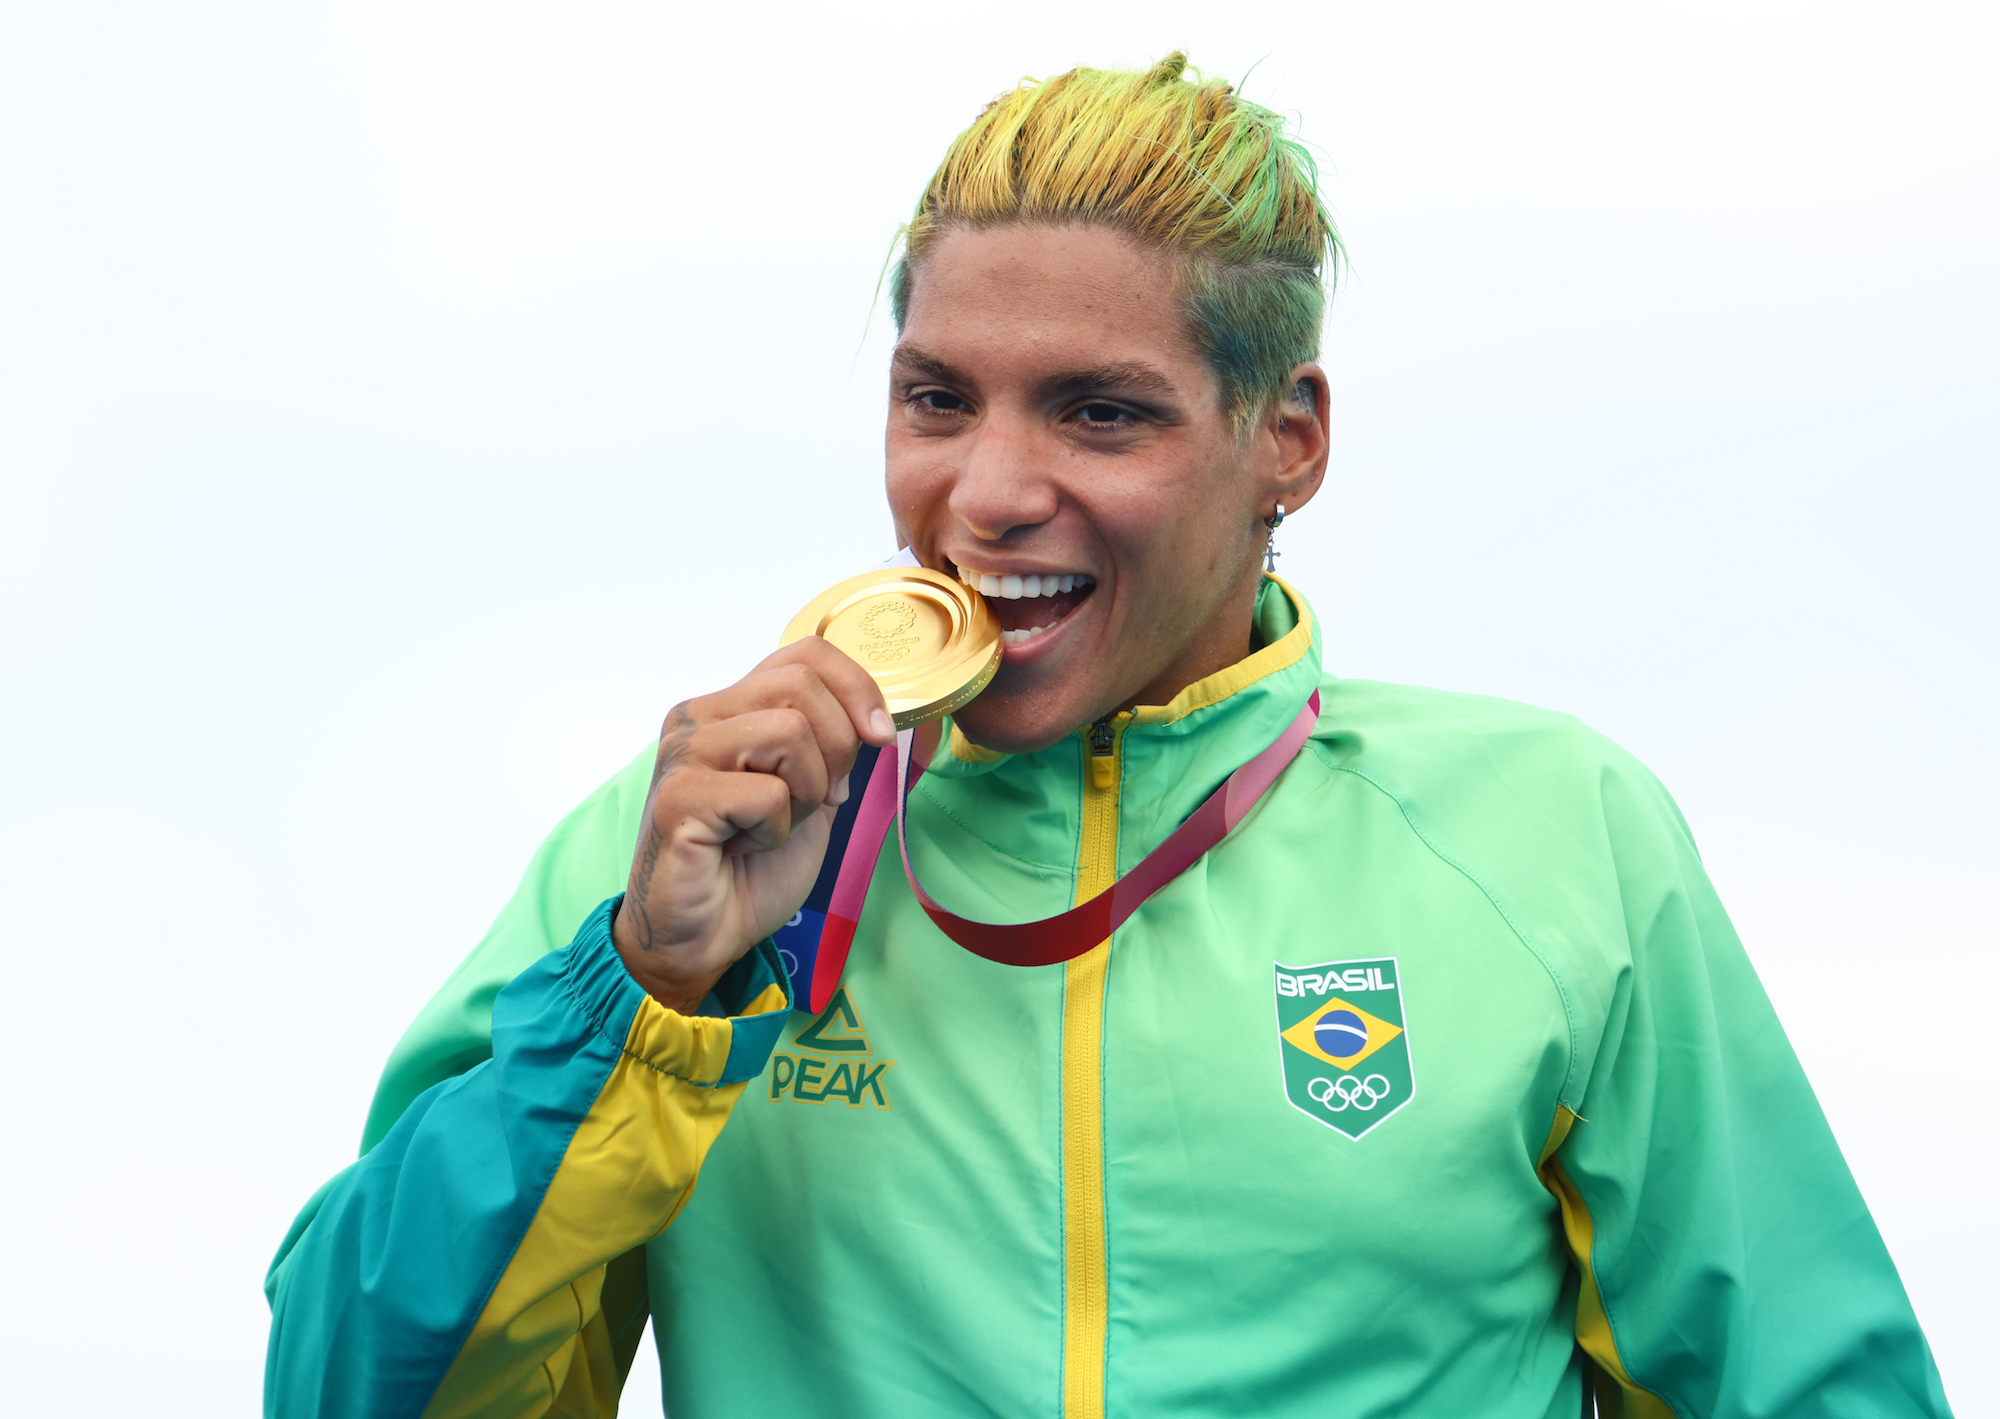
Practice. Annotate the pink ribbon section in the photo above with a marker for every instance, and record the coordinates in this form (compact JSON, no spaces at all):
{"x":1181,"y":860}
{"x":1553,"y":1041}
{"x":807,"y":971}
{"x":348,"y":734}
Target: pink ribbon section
{"x":850,"y":888}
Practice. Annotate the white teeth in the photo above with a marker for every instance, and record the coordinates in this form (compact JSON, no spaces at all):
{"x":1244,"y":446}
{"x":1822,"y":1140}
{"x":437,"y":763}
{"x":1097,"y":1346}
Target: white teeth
{"x":1017,"y":637}
{"x":1012,"y":587}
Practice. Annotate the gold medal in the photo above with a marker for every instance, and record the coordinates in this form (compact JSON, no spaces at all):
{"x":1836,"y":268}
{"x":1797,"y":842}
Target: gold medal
{"x":930,"y":642}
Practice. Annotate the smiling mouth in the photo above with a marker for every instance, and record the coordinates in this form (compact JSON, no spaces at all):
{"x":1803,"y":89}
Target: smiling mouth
{"x":1031,"y":605}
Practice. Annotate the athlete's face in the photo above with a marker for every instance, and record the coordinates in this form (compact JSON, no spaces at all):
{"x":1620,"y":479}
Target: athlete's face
{"x":1052,"y":429}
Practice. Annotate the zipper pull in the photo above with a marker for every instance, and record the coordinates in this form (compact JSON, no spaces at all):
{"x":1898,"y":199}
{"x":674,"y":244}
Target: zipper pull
{"x":1101,"y":745}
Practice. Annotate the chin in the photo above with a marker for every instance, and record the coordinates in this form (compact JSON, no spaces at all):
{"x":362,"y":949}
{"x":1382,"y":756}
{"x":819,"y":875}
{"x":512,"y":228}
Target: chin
{"x":1014,"y":724}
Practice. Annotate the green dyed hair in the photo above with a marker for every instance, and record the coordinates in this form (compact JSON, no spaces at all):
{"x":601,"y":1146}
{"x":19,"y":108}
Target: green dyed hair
{"x":1180,"y":162}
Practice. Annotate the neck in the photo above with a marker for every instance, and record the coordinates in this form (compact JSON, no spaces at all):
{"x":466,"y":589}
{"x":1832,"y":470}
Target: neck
{"x":1219,"y":644}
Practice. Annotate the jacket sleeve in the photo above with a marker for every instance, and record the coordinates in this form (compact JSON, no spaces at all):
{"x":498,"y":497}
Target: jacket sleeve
{"x":482,"y":1258}
{"x":1729,"y":1266}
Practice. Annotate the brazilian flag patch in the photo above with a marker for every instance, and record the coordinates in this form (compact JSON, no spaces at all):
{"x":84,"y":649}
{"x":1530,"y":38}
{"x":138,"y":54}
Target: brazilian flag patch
{"x":1345,"y":1042}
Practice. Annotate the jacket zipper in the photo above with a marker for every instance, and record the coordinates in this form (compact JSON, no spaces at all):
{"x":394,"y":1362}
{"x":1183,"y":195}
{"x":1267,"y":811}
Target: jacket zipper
{"x":1084,"y":1283}
{"x":1103,"y":753}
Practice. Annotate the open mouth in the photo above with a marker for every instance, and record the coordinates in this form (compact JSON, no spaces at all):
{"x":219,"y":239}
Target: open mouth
{"x":1029,"y":605}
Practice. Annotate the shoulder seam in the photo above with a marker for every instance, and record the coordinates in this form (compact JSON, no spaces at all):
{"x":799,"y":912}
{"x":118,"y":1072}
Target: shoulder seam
{"x":1438,"y":851}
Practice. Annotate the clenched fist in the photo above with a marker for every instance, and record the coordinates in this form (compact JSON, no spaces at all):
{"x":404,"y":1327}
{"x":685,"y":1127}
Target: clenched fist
{"x":744,"y":792}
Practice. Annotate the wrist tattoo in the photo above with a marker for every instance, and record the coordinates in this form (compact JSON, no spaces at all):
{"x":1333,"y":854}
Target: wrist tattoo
{"x":674,"y":737}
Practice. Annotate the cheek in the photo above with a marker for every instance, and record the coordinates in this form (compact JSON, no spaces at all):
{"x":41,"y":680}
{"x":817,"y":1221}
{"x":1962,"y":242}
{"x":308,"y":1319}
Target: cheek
{"x":1187,"y":520}
{"x":915,"y":476}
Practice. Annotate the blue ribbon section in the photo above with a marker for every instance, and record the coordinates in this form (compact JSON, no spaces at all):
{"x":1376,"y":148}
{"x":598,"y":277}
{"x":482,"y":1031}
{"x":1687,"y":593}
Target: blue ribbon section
{"x":798,"y":947}
{"x":798,"y":939}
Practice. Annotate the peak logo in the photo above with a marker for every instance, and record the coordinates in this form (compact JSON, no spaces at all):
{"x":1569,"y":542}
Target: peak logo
{"x":830,"y":1061}
{"x":1343,"y":1042}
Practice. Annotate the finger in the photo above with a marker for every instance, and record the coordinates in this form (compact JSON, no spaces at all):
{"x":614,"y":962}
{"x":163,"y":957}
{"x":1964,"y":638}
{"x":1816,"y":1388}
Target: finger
{"x":860,"y":698}
{"x":781,"y":742}
{"x":737,"y":812}
{"x":790,"y":683}
{"x":832,"y":724}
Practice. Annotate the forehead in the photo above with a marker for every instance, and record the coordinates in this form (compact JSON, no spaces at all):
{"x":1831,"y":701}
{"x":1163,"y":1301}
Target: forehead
{"x":1028,"y":294}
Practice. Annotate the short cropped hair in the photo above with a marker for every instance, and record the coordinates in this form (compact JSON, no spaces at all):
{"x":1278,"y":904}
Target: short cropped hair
{"x":1179,"y":162}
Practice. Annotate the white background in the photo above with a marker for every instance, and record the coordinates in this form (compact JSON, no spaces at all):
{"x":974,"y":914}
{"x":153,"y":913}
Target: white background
{"x":402,"y":404}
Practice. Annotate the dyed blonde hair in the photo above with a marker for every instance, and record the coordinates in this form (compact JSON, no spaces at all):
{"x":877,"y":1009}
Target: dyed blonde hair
{"x":1183,"y":164}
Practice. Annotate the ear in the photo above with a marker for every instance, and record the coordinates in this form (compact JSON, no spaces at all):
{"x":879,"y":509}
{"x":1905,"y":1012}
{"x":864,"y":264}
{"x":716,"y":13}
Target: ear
{"x":1297,"y":430}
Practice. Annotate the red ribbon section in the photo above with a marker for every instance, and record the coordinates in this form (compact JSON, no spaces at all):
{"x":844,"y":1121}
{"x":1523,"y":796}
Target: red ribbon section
{"x":1052,"y":939}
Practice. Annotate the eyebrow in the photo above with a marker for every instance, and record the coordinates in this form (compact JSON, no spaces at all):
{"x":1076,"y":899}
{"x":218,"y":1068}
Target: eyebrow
{"x":910,"y":357}
{"x":1131,"y":377}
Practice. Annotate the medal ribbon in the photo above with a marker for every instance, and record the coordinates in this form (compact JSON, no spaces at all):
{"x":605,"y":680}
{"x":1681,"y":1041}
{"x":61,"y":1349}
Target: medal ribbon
{"x":1052,"y":939}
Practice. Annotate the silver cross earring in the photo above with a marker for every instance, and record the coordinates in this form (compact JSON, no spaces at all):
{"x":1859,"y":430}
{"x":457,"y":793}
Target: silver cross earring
{"x":1271,"y":552}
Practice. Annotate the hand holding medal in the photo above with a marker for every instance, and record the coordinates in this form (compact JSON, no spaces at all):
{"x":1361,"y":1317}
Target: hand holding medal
{"x":749,"y":781}
{"x":745,"y":787}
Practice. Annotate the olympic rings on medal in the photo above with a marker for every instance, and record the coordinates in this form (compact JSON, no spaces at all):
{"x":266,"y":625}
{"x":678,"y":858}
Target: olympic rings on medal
{"x":1363,"y":1094}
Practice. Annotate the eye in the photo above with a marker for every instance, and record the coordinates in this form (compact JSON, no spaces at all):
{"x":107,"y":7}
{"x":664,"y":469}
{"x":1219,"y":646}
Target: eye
{"x":1103,"y":415}
{"x":942,"y":400}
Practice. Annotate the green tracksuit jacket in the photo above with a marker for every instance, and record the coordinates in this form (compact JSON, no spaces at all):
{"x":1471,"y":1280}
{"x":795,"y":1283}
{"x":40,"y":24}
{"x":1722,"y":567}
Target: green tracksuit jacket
{"x":1441,"y":1087}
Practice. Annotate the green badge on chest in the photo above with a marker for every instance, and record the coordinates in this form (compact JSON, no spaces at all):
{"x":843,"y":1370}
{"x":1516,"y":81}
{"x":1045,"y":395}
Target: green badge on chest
{"x":1345,"y":1042}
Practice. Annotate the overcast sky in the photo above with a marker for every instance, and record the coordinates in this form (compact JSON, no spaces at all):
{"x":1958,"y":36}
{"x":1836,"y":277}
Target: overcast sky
{"x":401,"y":405}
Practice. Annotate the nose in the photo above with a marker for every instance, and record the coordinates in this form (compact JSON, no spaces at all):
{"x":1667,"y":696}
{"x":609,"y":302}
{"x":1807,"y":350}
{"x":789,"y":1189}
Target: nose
{"x":1000,"y":487}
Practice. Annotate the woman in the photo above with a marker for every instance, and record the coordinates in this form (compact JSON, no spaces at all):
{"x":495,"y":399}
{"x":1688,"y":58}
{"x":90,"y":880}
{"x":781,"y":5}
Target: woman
{"x":1440,"y":1085}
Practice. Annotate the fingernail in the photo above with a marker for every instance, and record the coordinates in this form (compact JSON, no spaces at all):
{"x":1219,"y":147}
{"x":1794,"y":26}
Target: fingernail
{"x":839,"y":794}
{"x":880,"y":722}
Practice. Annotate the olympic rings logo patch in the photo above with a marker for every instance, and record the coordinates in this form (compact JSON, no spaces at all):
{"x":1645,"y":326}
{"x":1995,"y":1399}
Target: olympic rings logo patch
{"x":1344,"y":1042}
{"x":1336,"y":1095}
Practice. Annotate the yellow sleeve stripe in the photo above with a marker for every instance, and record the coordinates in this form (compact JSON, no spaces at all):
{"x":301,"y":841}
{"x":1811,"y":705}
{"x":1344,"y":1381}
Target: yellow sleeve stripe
{"x":542,"y":1345}
{"x":692,"y":1049}
{"x":1593,"y":1325}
